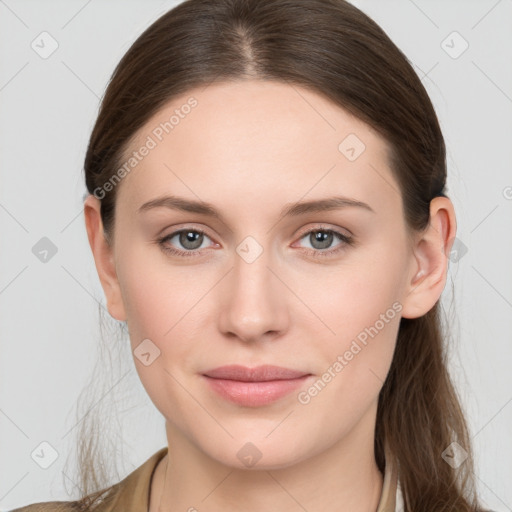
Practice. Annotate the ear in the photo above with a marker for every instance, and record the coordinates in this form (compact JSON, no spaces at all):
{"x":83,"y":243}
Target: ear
{"x":103,"y":254}
{"x":429,"y":267}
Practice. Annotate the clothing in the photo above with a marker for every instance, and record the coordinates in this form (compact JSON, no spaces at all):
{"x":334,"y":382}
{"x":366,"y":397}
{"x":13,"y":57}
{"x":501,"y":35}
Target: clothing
{"x":133,"y":495}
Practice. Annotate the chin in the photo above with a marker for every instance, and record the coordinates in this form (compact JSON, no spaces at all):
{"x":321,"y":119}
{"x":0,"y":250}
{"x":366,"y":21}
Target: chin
{"x":257,"y":452}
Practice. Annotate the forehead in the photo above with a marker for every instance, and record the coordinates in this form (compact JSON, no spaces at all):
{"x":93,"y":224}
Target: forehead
{"x":256,"y":139}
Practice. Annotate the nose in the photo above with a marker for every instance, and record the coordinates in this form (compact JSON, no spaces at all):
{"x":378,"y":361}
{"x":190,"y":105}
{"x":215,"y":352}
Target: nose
{"x":253,"y":299}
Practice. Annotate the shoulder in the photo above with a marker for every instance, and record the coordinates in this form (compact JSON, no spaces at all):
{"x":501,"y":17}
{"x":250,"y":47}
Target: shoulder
{"x":49,"y":506}
{"x":99,"y":501}
{"x":131,"y":493}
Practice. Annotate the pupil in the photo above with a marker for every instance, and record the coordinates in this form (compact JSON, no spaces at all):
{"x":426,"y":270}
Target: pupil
{"x":191,"y":238}
{"x":324,"y":238}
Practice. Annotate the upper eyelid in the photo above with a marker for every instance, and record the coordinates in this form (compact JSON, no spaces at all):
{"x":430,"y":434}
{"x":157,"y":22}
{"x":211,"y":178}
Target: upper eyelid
{"x":326,"y":228}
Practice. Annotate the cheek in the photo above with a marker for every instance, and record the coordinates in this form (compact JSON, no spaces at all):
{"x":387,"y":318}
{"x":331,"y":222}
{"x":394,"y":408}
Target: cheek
{"x":163,"y":302}
{"x":152,"y":292}
{"x":352,"y":296}
{"x":353,"y":363}
{"x":361,"y":349}
{"x":360,"y":309}
{"x":161,"y":306}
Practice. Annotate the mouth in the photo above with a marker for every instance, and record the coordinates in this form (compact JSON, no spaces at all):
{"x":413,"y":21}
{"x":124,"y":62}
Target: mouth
{"x":254,"y":387}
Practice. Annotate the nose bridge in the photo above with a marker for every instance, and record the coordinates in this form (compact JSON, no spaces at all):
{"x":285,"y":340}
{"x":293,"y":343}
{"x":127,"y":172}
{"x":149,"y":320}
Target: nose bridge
{"x":255,"y":302}
{"x":251,"y":269}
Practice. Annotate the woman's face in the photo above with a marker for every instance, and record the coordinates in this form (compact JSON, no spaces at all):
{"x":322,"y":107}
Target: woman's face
{"x":261,"y":286}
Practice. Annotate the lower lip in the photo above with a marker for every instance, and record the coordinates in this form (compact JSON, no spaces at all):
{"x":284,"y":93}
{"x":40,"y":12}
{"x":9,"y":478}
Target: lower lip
{"x":254,"y":394}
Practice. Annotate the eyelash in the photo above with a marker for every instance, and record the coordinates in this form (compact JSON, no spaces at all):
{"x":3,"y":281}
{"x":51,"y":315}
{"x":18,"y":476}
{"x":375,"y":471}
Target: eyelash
{"x":316,"y":253}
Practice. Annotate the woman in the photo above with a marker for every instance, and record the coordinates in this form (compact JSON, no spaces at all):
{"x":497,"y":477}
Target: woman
{"x":267,"y":213}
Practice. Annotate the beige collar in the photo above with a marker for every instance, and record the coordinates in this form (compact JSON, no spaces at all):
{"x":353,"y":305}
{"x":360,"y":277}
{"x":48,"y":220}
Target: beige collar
{"x":391,"y":498}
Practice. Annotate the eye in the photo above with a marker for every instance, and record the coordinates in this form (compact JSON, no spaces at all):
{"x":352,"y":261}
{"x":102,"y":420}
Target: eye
{"x":190,"y":239}
{"x":321,"y":239}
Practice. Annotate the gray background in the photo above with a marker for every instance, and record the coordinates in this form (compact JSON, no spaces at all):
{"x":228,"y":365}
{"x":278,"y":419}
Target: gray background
{"x":49,"y":325}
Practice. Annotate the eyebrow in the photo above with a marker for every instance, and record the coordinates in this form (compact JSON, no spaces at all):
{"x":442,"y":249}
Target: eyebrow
{"x":289,"y":210}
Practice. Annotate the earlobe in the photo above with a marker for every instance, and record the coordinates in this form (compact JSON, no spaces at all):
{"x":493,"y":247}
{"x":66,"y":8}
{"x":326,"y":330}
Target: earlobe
{"x":103,"y":254}
{"x":430,"y":260}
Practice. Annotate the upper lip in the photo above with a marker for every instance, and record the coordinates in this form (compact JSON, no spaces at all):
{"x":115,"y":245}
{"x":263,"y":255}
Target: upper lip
{"x":258,"y":374}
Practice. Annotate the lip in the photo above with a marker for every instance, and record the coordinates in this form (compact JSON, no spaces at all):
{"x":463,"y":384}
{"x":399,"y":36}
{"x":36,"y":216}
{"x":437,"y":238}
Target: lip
{"x":258,"y":374}
{"x":254,"y":387}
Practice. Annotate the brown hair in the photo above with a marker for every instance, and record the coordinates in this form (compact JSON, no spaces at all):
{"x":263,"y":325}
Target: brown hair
{"x":335,"y":50}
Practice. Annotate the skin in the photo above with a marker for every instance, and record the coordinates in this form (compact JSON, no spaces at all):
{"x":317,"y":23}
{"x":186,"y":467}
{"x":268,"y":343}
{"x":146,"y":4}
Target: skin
{"x":249,"y":148}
